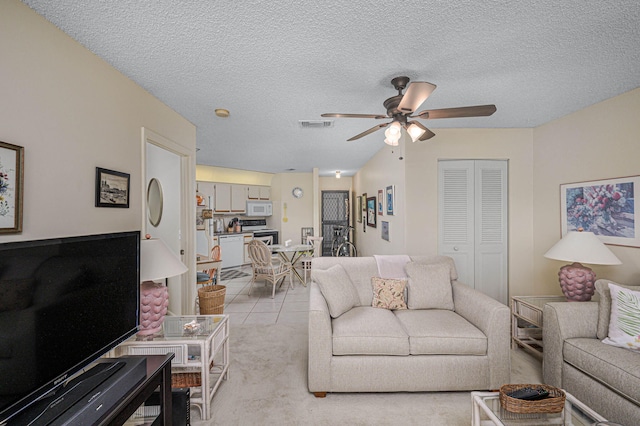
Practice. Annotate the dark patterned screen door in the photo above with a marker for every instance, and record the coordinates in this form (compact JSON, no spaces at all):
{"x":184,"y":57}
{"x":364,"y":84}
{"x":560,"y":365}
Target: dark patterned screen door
{"x":335,"y":211}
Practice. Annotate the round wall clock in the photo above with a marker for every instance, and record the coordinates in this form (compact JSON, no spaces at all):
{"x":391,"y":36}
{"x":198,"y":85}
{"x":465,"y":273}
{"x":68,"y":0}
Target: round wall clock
{"x":297,"y":192}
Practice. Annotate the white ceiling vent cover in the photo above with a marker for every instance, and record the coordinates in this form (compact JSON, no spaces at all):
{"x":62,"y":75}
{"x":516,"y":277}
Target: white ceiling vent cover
{"x":315,"y":124}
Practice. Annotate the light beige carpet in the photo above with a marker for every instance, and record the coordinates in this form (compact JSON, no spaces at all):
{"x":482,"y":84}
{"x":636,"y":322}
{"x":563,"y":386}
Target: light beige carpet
{"x":268,"y":386}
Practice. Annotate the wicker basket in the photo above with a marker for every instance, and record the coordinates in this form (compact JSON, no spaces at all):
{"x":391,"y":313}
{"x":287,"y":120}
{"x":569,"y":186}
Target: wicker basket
{"x":554,"y":403}
{"x":211,"y":299}
{"x":186,"y":380}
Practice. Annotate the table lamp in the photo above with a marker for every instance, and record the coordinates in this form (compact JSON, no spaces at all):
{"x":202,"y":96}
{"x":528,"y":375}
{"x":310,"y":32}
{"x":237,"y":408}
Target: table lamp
{"x":576,"y":280}
{"x":157,"y":262}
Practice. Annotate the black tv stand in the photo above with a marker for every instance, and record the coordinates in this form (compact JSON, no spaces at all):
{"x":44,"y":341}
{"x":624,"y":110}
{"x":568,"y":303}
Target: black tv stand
{"x":107,"y":394}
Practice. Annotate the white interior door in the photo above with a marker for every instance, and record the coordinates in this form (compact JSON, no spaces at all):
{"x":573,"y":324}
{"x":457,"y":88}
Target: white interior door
{"x":170,"y":163}
{"x":473,"y":222}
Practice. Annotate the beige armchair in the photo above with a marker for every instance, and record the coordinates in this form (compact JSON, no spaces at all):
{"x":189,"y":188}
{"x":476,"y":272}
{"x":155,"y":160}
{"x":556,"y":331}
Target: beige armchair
{"x":267,"y":268}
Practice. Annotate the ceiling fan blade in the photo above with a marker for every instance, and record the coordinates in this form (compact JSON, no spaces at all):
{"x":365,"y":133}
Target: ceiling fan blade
{"x":371,"y":130}
{"x":337,"y":115}
{"x":470,"y":111}
{"x":416,"y":94}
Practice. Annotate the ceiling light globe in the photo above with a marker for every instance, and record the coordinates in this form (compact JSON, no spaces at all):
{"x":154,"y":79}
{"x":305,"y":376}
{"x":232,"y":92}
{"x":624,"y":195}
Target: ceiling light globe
{"x":415,"y":132}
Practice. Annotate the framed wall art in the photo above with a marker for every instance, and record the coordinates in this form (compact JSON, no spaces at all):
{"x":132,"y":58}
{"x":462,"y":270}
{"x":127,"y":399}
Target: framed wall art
{"x":608,"y":208}
{"x":384,"y":230}
{"x":371,"y":212}
{"x":112,"y":188}
{"x":11,"y":187}
{"x":380,"y":202}
{"x":391,"y":199}
{"x":359,"y":209}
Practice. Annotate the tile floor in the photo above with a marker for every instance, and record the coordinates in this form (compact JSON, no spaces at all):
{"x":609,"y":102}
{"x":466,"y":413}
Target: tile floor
{"x":288,"y":305}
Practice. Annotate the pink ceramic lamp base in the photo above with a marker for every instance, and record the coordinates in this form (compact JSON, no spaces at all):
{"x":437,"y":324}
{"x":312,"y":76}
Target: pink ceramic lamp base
{"x":154,"y":301}
{"x":577,"y":282}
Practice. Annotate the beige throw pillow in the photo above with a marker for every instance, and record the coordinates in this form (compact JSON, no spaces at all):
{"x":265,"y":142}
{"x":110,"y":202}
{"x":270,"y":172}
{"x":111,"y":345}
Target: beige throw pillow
{"x":429,"y":286}
{"x":624,"y":326}
{"x":388,"y":293}
{"x":337,"y":289}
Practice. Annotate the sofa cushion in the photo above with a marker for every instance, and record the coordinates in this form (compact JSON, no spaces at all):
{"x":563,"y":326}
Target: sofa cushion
{"x":441,"y":332}
{"x":365,"y":330}
{"x":432,"y":260}
{"x":429,"y":286}
{"x":616,"y":368}
{"x":624,"y":325}
{"x":337,"y":289}
{"x":388,"y":293}
{"x":359,"y":269}
{"x":604,"y":305}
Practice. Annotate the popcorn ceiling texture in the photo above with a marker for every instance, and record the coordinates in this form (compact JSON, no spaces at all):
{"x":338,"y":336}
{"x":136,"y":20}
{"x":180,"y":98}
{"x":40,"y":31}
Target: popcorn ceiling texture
{"x":272,"y":63}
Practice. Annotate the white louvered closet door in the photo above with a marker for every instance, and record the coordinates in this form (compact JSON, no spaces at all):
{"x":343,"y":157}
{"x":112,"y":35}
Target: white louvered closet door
{"x":472,"y":222}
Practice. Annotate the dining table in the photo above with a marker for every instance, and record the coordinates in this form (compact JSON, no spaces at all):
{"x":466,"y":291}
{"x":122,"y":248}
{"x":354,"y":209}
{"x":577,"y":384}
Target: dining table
{"x":291,"y":254}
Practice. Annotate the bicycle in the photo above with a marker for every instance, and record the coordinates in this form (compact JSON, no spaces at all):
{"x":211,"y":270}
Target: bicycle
{"x":341,"y":246}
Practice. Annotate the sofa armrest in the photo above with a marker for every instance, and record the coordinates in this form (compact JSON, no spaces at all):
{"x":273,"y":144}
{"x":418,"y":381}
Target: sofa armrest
{"x":320,"y":341}
{"x":564,"y":320}
{"x":494,"y":320}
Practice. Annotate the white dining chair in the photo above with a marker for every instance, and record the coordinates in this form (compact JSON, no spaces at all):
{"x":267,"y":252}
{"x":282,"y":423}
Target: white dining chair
{"x":305,"y":261}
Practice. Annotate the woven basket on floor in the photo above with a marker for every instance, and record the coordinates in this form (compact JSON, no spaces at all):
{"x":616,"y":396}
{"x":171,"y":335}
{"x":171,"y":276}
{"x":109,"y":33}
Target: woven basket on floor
{"x":211,"y":299}
{"x":554,"y":403}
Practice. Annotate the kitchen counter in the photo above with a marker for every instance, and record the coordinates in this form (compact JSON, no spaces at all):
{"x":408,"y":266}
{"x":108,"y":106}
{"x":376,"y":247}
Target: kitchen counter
{"x":217,"y":234}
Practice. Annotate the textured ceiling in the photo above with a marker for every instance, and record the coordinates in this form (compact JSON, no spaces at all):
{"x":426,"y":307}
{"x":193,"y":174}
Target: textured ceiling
{"x":272,"y":63}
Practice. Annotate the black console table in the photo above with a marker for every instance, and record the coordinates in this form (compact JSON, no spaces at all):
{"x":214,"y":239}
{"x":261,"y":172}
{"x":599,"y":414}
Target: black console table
{"x":158,"y":374}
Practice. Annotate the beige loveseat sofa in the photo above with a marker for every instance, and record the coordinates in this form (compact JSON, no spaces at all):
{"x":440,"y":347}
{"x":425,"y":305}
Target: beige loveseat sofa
{"x":606,"y":378}
{"x":368,"y":349}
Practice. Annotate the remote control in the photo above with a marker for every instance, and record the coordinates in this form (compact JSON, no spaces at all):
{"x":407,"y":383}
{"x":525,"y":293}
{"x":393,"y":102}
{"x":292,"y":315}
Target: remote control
{"x":529,"y":394}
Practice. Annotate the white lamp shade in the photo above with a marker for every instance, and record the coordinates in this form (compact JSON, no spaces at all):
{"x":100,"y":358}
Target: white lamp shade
{"x":582,"y":247}
{"x":158,"y":262}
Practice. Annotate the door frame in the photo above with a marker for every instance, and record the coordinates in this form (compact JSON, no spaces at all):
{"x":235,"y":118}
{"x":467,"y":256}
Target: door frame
{"x":187,"y":210}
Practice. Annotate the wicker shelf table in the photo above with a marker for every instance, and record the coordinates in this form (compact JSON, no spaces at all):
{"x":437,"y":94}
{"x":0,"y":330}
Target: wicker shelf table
{"x":526,"y":321}
{"x":201,"y":355}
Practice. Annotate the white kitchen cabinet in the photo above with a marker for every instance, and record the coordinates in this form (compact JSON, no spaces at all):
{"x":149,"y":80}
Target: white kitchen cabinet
{"x":247,"y":240}
{"x":230,"y":198}
{"x":256,"y":192}
{"x":238,"y":199}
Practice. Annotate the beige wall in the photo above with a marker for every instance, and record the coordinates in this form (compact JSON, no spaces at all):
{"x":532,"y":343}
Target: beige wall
{"x":598,"y":142}
{"x":384,"y":169}
{"x":299,"y":211}
{"x":73,"y":112}
{"x":226,"y":175}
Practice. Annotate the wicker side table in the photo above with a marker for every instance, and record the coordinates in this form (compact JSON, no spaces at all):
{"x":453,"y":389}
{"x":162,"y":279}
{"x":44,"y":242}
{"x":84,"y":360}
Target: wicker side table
{"x":526,"y":321}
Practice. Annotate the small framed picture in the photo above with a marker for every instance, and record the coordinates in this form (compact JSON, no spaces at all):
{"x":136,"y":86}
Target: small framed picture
{"x":384,"y":229}
{"x":112,"y":188}
{"x":391,"y":199}
{"x":371,"y":212}
{"x":380,"y":202}
{"x":359,"y":209}
{"x":11,"y":187}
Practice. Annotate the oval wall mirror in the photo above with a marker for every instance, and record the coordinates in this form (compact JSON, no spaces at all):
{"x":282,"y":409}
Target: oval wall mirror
{"x":154,"y":201}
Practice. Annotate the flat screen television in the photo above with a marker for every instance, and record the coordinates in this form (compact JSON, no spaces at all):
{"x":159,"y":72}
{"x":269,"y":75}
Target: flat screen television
{"x":64,"y":302}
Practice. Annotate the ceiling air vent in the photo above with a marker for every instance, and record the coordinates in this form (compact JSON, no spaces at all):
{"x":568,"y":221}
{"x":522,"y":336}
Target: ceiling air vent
{"x":315,"y":124}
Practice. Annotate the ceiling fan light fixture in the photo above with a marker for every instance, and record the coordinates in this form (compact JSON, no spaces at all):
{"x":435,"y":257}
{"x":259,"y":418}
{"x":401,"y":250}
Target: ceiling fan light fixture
{"x":391,"y":142}
{"x":415,"y":132}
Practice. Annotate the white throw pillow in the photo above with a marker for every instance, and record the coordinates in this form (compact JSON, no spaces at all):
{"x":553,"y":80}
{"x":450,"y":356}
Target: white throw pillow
{"x":624,"y":326}
{"x":337,"y":289}
{"x":429,"y":286}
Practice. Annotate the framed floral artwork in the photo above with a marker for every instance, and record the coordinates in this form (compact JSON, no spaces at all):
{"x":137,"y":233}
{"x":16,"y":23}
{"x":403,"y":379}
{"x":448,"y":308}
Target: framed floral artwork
{"x":11,"y":187}
{"x":371,"y":212}
{"x":608,"y":208}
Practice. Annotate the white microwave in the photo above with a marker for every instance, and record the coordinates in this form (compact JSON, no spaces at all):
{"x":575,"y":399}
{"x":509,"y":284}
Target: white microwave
{"x":259,"y":208}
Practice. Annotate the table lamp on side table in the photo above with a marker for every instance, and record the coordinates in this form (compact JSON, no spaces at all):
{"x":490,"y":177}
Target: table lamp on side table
{"x":157,"y":262}
{"x":576,"y":280}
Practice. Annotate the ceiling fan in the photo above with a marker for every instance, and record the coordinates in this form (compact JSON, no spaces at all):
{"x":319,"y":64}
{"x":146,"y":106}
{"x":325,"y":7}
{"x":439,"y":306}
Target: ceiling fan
{"x":400,"y":107}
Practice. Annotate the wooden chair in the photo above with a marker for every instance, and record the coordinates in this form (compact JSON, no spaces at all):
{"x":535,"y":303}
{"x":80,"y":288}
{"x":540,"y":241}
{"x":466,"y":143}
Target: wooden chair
{"x":305,"y":261}
{"x":267,"y":268}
